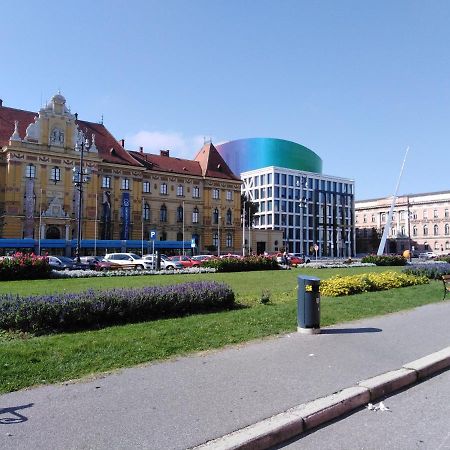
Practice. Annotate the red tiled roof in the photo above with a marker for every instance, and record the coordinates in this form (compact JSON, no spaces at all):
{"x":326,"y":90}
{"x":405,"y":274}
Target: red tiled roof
{"x":212,"y":164}
{"x":168,"y":164}
{"x":108,"y":148}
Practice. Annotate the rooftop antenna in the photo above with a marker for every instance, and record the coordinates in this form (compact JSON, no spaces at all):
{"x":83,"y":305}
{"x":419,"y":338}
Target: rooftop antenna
{"x":391,"y":211}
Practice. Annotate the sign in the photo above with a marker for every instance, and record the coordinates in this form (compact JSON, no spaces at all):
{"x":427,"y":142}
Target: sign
{"x":153,"y":235}
{"x":192,"y":243}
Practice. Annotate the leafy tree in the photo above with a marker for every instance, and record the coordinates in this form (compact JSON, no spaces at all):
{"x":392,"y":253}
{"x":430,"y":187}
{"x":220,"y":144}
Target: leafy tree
{"x":250,"y":209}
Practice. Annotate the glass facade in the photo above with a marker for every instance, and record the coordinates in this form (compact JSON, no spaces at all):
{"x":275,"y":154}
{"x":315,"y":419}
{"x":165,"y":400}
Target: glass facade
{"x":312,"y":210}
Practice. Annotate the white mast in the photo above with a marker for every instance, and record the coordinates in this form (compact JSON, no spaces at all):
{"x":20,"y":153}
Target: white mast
{"x":391,"y":211}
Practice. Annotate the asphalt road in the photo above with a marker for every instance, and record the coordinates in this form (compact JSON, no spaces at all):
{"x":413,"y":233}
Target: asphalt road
{"x":418,"y":418}
{"x":187,"y":401}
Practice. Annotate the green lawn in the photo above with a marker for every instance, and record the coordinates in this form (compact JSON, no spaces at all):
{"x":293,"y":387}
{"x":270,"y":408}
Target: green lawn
{"x":27,"y":360}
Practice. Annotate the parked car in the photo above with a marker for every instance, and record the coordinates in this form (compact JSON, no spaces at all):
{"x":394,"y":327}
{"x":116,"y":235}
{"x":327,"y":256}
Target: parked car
{"x":230,"y":255}
{"x":427,"y":255}
{"x":303,"y":258}
{"x":186,"y":261}
{"x":202,"y":258}
{"x":63,"y":263}
{"x":166,"y":263}
{"x":128,"y":259}
{"x":96,"y":262}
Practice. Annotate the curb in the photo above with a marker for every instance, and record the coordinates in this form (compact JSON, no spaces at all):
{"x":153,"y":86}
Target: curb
{"x":295,"y":421}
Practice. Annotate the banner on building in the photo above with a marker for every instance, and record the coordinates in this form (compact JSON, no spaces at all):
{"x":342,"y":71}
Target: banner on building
{"x":126,"y":215}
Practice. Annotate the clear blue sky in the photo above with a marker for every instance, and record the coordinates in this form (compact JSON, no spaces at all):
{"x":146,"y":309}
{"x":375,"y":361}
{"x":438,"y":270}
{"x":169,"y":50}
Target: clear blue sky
{"x":355,"y":81}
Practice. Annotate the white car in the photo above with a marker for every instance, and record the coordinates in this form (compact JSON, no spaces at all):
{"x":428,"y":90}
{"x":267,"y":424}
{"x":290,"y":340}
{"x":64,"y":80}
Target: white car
{"x":127,"y":259}
{"x":166,"y":263}
{"x":427,"y":255}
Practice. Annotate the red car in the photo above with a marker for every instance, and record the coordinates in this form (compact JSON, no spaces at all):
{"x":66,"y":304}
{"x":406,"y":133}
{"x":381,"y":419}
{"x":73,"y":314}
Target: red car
{"x":186,"y":261}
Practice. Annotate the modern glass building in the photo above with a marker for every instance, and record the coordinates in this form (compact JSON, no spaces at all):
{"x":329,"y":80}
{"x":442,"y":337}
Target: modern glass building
{"x":314,"y":211}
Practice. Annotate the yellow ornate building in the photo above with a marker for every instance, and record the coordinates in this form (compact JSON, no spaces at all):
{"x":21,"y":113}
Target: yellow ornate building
{"x":125,"y":194}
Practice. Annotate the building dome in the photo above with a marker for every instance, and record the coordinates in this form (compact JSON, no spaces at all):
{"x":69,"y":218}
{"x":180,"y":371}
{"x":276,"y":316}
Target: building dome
{"x":243,"y":155}
{"x":58,"y":99}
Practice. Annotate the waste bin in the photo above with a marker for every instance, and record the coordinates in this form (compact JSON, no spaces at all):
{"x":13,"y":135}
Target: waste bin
{"x":308,"y":305}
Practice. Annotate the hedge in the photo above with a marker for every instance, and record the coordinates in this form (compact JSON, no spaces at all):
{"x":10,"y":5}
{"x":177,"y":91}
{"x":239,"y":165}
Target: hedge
{"x":385,"y":260}
{"x":338,"y":285}
{"x":93,"y":309}
{"x":249,"y":263}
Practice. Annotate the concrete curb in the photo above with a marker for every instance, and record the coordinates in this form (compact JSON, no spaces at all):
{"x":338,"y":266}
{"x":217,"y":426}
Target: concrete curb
{"x":293,"y":422}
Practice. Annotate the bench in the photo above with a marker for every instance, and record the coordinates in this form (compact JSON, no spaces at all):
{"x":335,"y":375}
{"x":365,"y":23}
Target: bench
{"x":446,"y":281}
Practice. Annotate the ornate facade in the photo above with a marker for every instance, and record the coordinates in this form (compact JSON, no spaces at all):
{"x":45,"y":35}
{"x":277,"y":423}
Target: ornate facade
{"x":126,"y":194}
{"x":423,"y":219}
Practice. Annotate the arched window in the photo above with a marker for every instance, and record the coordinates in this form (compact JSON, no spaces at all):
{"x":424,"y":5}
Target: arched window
{"x":55,"y":175}
{"x":425,"y":230}
{"x":163,"y":214}
{"x":402,"y":230}
{"x":436,"y":230}
{"x":447,"y":245}
{"x":447,"y":229}
{"x":30,"y":171}
{"x":229,"y":217}
{"x":180,"y":214}
{"x":436,"y":245}
{"x":215,"y":240}
{"x":414,"y":230}
{"x":229,"y":242}
{"x":215,"y":216}
{"x":146,"y":212}
{"x":195,"y":215}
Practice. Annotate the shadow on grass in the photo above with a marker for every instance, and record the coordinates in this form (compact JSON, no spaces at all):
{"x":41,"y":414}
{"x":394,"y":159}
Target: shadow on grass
{"x":349,"y":330}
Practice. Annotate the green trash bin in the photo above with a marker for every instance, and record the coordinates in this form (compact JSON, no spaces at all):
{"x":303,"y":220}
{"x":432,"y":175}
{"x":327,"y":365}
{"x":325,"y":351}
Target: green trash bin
{"x":308,"y":305}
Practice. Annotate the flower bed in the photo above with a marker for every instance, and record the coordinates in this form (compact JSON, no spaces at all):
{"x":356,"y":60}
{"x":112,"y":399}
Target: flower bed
{"x":431,"y":271}
{"x":24,"y":266}
{"x":334,"y":265}
{"x":338,"y":285}
{"x":89,"y":309}
{"x":124,"y":273}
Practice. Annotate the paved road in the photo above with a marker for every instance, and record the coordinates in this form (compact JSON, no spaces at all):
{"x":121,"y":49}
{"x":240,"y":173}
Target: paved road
{"x":187,"y":401}
{"x":418,"y":418}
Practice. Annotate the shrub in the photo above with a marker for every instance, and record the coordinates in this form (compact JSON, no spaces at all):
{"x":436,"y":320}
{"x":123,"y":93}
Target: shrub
{"x":24,"y":266}
{"x":338,"y":285}
{"x":47,"y":313}
{"x":443,"y":258}
{"x":431,"y":271}
{"x":243,"y":264}
{"x":385,"y":260}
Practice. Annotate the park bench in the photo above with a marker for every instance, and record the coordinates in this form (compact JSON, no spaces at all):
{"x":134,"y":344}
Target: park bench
{"x":446,"y":281}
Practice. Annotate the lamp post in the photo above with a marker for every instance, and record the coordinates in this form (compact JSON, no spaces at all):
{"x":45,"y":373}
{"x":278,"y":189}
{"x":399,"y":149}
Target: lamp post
{"x":80,"y":176}
{"x":218,"y":233}
{"x":183,"y":226}
{"x":409,"y":230}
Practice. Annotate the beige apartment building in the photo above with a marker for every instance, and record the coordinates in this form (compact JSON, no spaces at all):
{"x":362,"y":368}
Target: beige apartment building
{"x":419,"y":220}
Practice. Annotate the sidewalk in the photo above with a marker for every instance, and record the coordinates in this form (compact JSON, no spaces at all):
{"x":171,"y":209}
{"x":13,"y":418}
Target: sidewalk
{"x":185,"y":402}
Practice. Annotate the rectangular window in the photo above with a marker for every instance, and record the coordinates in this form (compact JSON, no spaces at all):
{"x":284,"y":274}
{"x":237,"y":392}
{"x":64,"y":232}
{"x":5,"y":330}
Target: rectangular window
{"x":262,"y":180}
{"x":283,"y":179}
{"x":435,"y":214}
{"x":125,"y":184}
{"x":269,"y":178}
{"x":291,"y":180}
{"x":31,"y":171}
{"x":269,"y":205}
{"x":277,"y":178}
{"x":215,"y":194}
{"x":256,"y":180}
{"x":180,"y":190}
{"x":163,"y":189}
{"x":229,"y":195}
{"x":145,"y":187}
{"x":195,"y":192}
{"x":106,"y":182}
{"x":269,"y":192}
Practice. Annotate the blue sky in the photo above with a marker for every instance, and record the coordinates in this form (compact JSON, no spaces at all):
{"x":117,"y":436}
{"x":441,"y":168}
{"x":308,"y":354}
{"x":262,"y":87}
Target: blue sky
{"x":355,"y":81}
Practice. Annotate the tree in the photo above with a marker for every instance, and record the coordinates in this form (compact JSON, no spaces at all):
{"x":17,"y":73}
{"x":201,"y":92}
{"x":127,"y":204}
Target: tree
{"x":250,"y":209}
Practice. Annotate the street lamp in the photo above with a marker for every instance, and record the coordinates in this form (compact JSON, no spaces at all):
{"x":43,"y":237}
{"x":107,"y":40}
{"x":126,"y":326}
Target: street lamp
{"x":80,"y":176}
{"x":218,"y":233}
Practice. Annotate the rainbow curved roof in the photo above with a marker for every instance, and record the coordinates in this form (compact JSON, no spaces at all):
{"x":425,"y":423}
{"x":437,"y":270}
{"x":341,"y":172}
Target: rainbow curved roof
{"x":243,"y":155}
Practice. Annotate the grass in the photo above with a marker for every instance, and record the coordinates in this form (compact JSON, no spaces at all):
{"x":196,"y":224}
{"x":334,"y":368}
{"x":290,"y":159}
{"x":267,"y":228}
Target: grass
{"x":27,"y":360}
